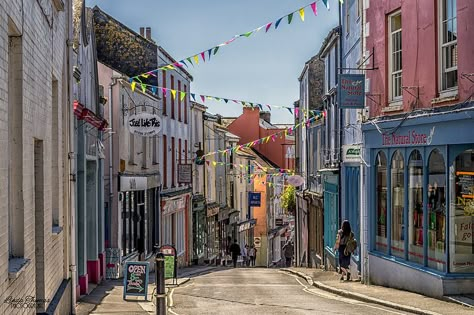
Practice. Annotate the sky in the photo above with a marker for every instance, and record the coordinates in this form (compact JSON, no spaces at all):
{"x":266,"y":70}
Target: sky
{"x":263,"y":68}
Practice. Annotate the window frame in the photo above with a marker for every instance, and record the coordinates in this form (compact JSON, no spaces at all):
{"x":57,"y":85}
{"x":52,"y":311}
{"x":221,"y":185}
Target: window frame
{"x":394,"y":100}
{"x":450,"y":91}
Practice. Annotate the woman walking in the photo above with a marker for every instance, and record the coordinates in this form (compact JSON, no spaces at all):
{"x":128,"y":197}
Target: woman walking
{"x":344,"y":235}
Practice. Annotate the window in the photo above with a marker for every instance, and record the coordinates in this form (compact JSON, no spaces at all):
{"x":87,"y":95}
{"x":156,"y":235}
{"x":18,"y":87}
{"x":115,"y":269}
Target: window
{"x":173,"y":163}
{"x":436,"y":211}
{"x":55,"y":152}
{"x":131,"y":149}
{"x":164,"y":93}
{"x":179,"y":100}
{"x":172,"y":98}
{"x":155,"y":150}
{"x":144,"y":153}
{"x":180,"y":232}
{"x":186,"y":105}
{"x":348,"y":27}
{"x":185,"y":151}
{"x":398,"y":205}
{"x":415,"y":207}
{"x":462,"y":213}
{"x":165,"y":162}
{"x":359,"y":8}
{"x":395,"y":56}
{"x":381,"y":202}
{"x":449,"y":44}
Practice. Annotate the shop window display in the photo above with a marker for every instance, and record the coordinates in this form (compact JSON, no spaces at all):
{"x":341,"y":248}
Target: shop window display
{"x":462,"y":213}
{"x":436,"y":211}
{"x":381,"y":202}
{"x":398,"y":202}
{"x":415,"y":207}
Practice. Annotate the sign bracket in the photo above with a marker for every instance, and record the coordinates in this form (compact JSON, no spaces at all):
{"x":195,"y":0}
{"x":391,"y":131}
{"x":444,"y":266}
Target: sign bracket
{"x":372,"y":55}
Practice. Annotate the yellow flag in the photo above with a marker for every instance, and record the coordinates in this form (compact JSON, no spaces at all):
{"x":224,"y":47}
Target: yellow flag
{"x":134,"y":84}
{"x":302,"y":14}
{"x":214,"y":163}
{"x":196,"y":59}
{"x":182,"y":95}
{"x":173,"y":92}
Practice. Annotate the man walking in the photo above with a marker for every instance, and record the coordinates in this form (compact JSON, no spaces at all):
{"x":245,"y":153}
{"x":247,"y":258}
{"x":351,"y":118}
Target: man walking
{"x":235,"y":252}
{"x":289,"y":251}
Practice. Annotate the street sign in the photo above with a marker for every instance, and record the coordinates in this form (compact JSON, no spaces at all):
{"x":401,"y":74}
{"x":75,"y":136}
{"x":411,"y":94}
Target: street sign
{"x":255,"y":199}
{"x":135,"y":279}
{"x":257,"y":242}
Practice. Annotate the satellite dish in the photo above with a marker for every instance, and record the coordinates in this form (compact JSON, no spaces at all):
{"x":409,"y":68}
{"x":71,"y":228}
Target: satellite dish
{"x":295,"y":180}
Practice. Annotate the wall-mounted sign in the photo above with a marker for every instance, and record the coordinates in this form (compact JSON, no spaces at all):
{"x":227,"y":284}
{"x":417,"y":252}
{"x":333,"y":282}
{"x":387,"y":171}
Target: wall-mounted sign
{"x":133,"y":183}
{"x":351,"y":153}
{"x":144,"y":124}
{"x":278,"y":222}
{"x":351,"y":91}
{"x":255,"y":199}
{"x":174,"y":205}
{"x":257,"y":242}
{"x":408,"y":138}
{"x":185,"y":173}
{"x":135,"y":279}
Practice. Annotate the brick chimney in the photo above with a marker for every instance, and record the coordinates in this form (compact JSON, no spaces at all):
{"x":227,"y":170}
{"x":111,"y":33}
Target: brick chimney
{"x":266,"y":116}
{"x":148,"y":33}
{"x":142,"y":31}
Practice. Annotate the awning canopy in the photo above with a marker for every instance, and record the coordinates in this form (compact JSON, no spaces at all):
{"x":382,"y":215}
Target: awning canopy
{"x":83,"y":113}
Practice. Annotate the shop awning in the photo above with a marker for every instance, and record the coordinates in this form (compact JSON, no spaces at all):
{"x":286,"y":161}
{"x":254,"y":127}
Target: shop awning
{"x":83,"y":113}
{"x":277,"y":231}
{"x":247,"y":225}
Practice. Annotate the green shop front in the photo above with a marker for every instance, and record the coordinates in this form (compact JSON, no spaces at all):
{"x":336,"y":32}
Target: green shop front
{"x":421,"y":202}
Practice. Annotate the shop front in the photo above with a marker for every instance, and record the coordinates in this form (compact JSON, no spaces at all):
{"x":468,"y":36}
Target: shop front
{"x":213,"y":239}
{"x":301,"y":249}
{"x":246,"y":232}
{"x":316,"y":229}
{"x":199,"y":228}
{"x":331,"y":214}
{"x":422,"y":209}
{"x":174,"y":225}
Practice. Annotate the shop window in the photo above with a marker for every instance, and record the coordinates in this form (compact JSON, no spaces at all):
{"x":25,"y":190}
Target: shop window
{"x":415,"y":207}
{"x":398,"y":202}
{"x":381,"y":202}
{"x":436,"y":211}
{"x":462,"y":214}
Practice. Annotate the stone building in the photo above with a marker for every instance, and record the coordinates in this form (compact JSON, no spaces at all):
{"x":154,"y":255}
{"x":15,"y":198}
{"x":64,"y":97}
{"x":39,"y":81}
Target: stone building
{"x":36,"y":156}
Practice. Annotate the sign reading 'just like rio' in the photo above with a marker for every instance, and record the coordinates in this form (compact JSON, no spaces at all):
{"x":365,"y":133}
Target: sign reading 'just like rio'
{"x":144,"y":124}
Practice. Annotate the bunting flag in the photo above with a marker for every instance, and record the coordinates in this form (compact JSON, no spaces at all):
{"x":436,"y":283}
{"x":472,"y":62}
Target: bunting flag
{"x":248,"y":34}
{"x":246,"y":104}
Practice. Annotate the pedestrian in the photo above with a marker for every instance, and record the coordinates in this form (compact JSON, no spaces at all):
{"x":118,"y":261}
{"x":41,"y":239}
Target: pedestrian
{"x":344,"y":238}
{"x":252,"y":255}
{"x":245,"y":257}
{"x":235,"y":252}
{"x":289,"y":251}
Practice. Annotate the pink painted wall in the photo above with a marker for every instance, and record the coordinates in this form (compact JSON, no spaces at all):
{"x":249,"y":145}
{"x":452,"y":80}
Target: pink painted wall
{"x":247,"y":127}
{"x":420,"y":51}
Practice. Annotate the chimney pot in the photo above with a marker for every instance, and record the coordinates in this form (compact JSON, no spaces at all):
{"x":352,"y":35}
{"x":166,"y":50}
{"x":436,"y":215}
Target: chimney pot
{"x":148,"y":33}
{"x":142,"y":31}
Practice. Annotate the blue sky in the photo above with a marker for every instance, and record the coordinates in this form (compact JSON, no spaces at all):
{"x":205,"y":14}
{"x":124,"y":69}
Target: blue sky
{"x":263,"y":68}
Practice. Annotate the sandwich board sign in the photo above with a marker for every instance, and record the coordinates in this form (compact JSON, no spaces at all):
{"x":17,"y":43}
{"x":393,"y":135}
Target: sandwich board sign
{"x":135,"y":279}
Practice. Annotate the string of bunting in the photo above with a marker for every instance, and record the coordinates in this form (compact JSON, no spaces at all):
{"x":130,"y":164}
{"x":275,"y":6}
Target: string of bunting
{"x":182,"y":94}
{"x":281,"y":171}
{"x":264,"y":140}
{"x":213,"y":50}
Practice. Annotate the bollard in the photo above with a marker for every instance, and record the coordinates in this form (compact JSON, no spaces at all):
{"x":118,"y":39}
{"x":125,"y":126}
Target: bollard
{"x":160,"y":293}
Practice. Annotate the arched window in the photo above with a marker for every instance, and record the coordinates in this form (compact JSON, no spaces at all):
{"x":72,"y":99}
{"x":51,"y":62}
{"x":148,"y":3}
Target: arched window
{"x":436,"y":211}
{"x":398,"y":205}
{"x":415,"y":207}
{"x":381,"y":202}
{"x":461,"y":241}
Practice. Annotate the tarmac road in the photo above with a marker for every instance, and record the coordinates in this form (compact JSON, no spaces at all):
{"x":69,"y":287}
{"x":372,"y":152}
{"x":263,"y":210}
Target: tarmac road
{"x":255,"y":291}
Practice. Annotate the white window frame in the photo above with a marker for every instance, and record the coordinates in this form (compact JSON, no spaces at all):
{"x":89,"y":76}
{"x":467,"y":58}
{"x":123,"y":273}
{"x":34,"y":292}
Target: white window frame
{"x":394,"y":100}
{"x":451,"y":91}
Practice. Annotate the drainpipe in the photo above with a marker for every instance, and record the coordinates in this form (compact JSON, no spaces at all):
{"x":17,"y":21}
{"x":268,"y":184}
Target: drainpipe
{"x":72,"y":170}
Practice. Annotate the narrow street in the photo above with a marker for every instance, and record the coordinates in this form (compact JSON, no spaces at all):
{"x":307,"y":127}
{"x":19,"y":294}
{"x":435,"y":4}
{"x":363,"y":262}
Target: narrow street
{"x":261,"y":291}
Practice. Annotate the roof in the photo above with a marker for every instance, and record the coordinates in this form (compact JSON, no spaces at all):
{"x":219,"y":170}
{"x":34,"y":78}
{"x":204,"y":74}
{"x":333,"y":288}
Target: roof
{"x":199,"y":106}
{"x":305,"y":68}
{"x":334,"y":33}
{"x":162,"y":50}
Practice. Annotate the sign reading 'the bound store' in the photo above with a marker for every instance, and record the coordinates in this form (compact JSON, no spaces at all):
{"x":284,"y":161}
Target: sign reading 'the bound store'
{"x":144,"y":124}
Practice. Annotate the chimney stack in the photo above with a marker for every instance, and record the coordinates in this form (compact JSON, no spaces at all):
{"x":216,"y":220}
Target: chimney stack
{"x":148,"y":33}
{"x":142,"y":31}
{"x":266,"y":116}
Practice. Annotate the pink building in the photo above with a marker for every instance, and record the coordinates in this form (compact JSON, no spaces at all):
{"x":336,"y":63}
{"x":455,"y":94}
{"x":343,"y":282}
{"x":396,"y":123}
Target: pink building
{"x":254,"y":124}
{"x":419,"y":146}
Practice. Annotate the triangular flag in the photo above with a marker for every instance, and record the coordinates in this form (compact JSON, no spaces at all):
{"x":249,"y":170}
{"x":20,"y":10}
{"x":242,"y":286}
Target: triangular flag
{"x":247,"y":34}
{"x":173,"y":93}
{"x":326,"y":3}
{"x":302,"y":14}
{"x":268,"y":27}
{"x":184,"y":63}
{"x":216,"y":49}
{"x":182,"y":95}
{"x":153,"y":89}
{"x":143,"y":88}
{"x":134,"y":84}
{"x":289,"y":109}
{"x":193,"y":96}
{"x":196,"y":59}
{"x":278,"y":23}
{"x":190,"y":61}
{"x":203,"y":98}
{"x":210,"y":52}
{"x":214,"y":163}
{"x":296,"y":111}
{"x":169,"y":67}
{"x":290,"y":18}
{"x":130,"y":80}
{"x":203,"y":57}
{"x":261,"y":107}
{"x":269,"y":107}
{"x":315,"y":8}
{"x":226,"y":100}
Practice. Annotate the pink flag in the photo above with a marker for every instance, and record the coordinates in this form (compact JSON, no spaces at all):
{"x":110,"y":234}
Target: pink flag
{"x":315,"y":8}
{"x":268,"y":27}
{"x":163,"y":90}
{"x":273,"y":138}
{"x":269,"y":108}
{"x":203,"y":57}
{"x":203,"y":98}
{"x":296,"y":111}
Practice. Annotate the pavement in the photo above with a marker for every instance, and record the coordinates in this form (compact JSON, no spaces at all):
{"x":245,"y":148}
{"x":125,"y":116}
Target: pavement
{"x":388,"y":297}
{"x":107,"y":298}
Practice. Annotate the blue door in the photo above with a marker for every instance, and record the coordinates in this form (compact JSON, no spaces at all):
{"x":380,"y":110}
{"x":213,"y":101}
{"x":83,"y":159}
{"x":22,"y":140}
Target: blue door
{"x":331,"y":213}
{"x":352,"y":204}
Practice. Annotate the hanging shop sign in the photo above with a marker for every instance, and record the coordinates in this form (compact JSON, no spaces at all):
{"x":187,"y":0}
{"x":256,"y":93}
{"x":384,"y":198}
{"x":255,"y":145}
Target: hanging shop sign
{"x":257,"y":242}
{"x":351,"y":153}
{"x":185,"y":173}
{"x":255,"y":199}
{"x":135,"y":279}
{"x":144,"y":124}
{"x":351,"y":91}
